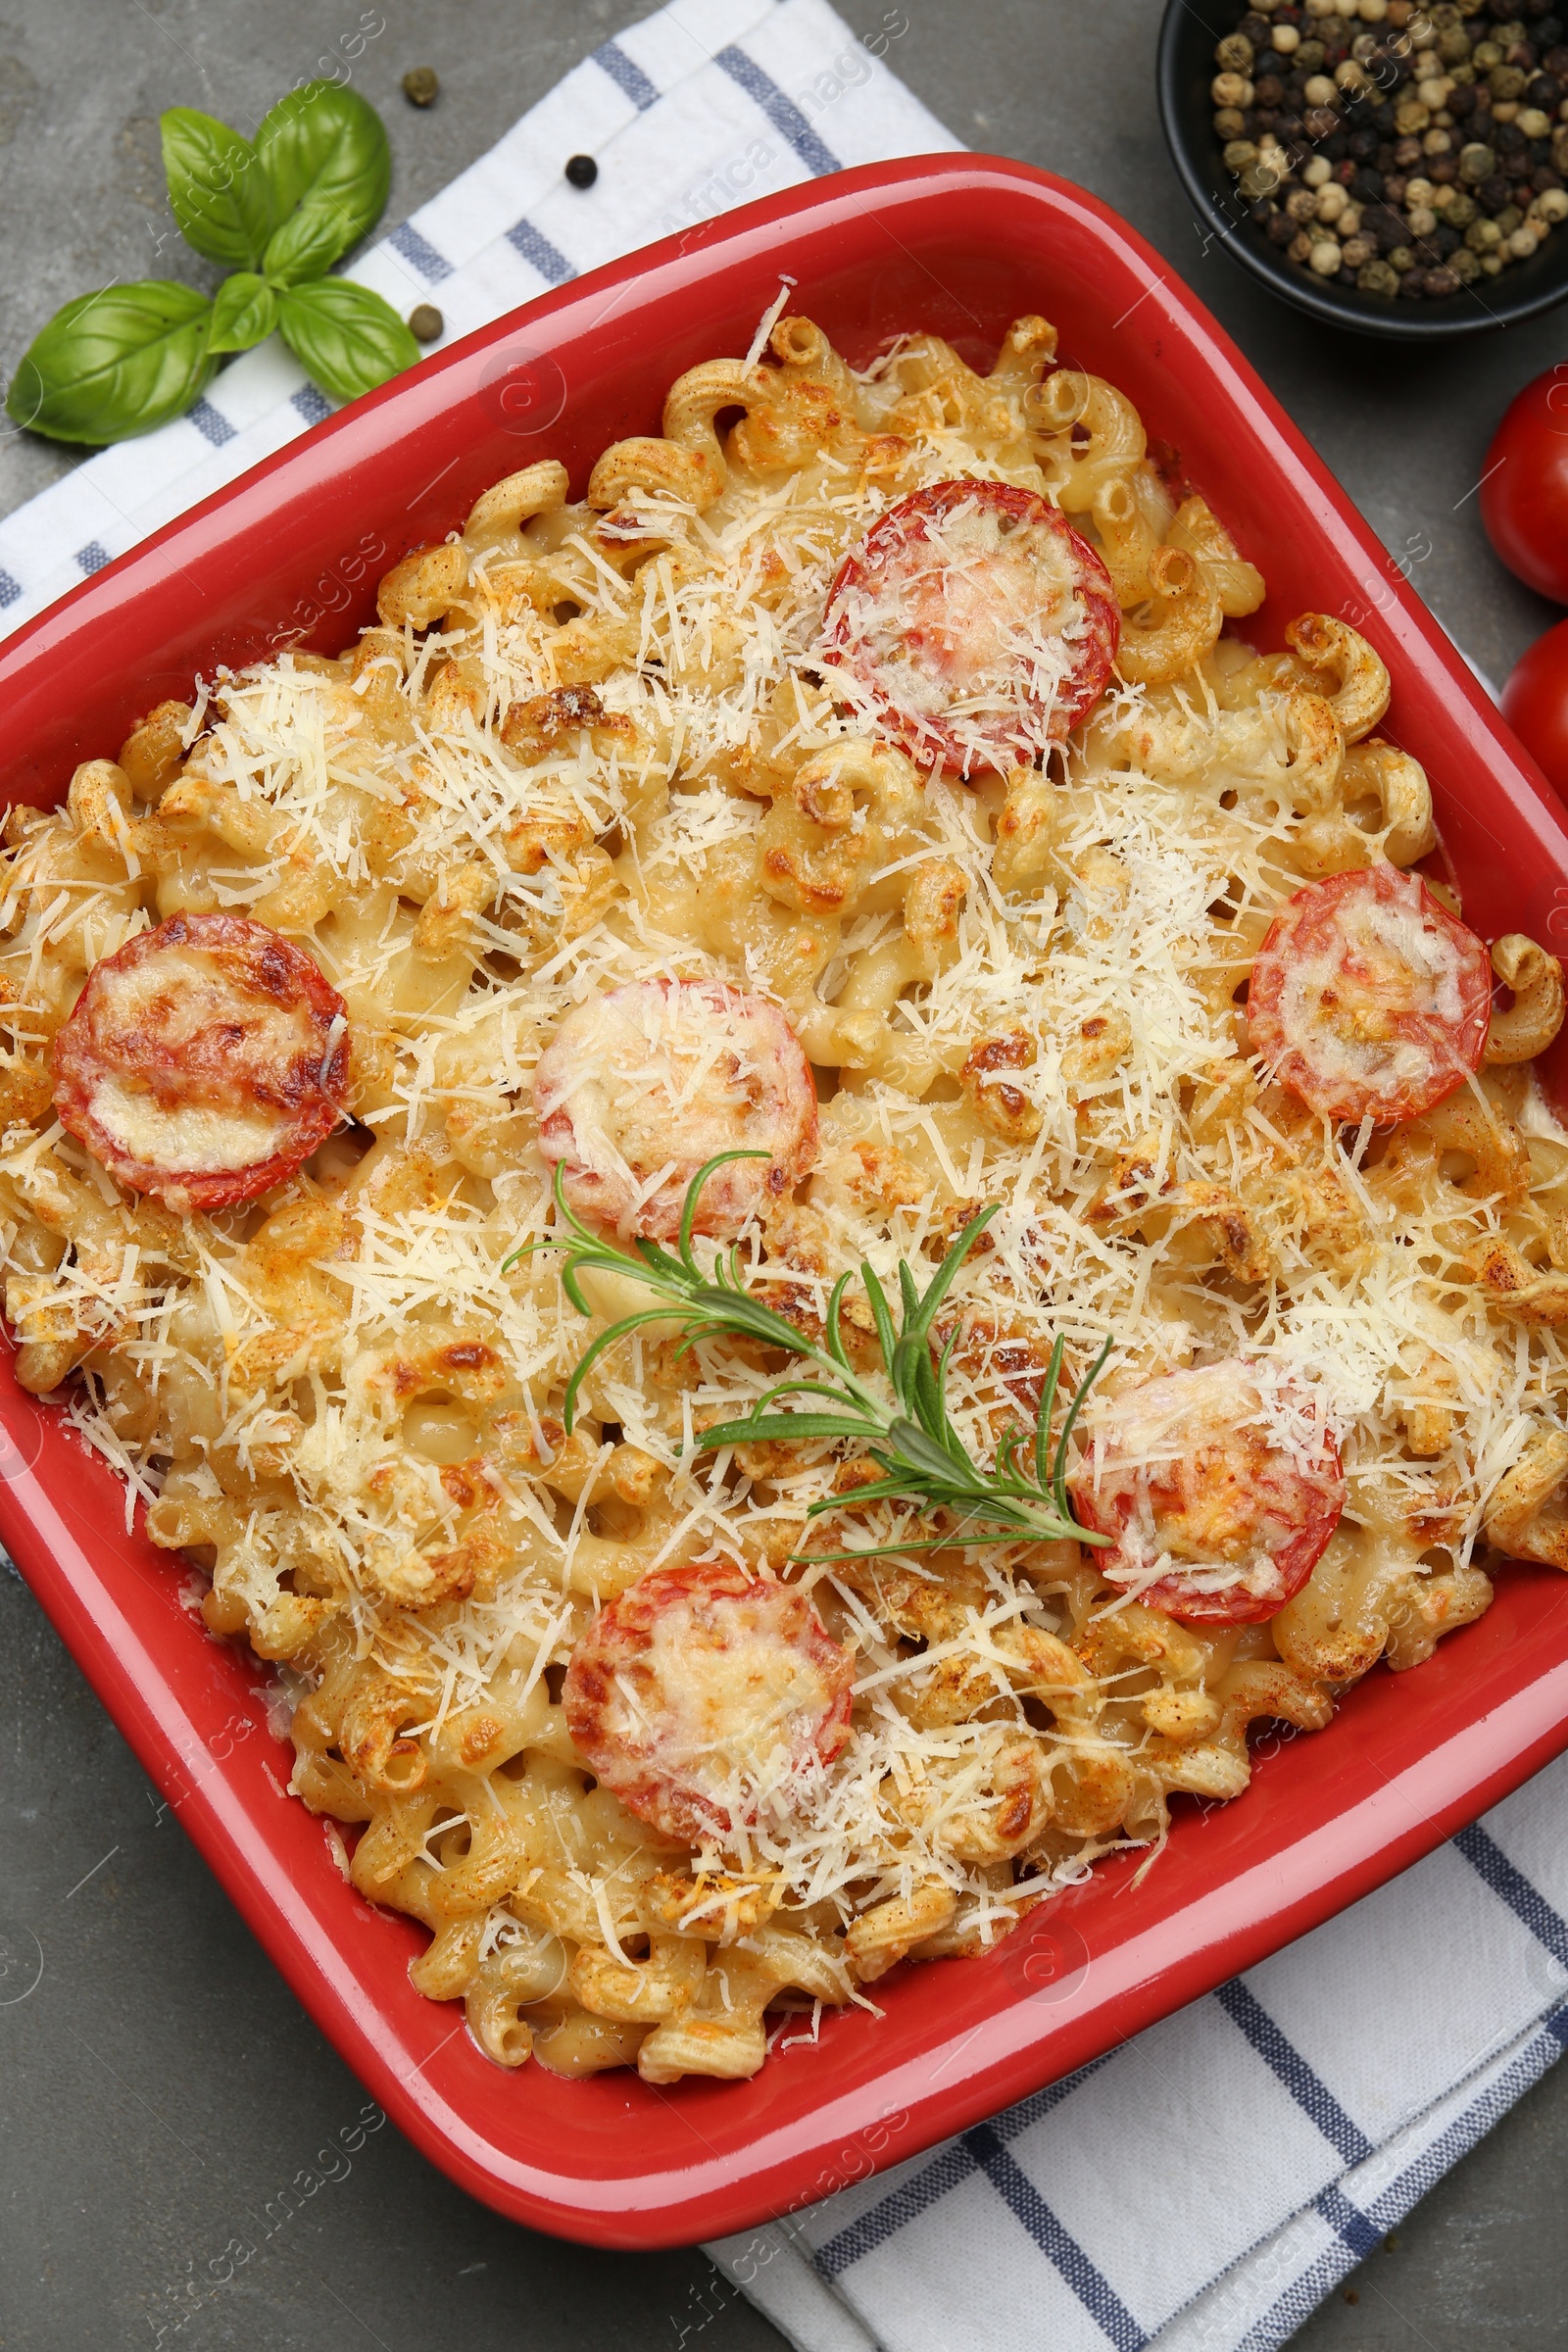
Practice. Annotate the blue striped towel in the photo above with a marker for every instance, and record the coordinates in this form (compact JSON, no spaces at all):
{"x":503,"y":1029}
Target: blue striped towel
{"x":1206,"y":2185}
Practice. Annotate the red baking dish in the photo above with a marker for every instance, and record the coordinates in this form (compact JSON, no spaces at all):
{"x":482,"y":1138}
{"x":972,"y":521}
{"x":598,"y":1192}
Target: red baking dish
{"x":958,"y":245}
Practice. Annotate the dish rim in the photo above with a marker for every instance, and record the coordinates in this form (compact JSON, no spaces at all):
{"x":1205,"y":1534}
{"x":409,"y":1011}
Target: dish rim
{"x":114,"y":1609}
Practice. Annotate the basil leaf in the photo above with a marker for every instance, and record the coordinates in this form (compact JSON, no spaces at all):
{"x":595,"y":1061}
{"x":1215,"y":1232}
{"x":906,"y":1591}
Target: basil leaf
{"x":347,"y":337}
{"x":115,"y":363}
{"x":244,"y":312}
{"x":324,"y":148}
{"x":220,"y":197}
{"x":306,"y":246}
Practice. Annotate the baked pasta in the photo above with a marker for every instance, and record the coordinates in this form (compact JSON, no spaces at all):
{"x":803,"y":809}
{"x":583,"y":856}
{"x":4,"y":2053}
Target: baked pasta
{"x":871,"y":774}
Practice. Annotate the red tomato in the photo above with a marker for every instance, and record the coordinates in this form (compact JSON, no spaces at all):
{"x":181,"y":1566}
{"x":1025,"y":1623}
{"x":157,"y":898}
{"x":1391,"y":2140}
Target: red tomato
{"x":1535,"y":702}
{"x":1186,"y":1468}
{"x":1368,"y":996}
{"x":702,"y":1695}
{"x":640,"y":1086}
{"x":975,"y":623}
{"x":1524,"y":488}
{"x":203,"y":1062}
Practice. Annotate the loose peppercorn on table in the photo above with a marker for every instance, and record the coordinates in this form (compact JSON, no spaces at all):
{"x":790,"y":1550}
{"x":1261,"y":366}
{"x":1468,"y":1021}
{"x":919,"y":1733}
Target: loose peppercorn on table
{"x":859,"y":848}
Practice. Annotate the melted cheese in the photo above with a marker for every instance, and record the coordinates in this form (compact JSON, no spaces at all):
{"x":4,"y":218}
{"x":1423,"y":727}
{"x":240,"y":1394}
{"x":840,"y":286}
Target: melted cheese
{"x":186,"y":1136}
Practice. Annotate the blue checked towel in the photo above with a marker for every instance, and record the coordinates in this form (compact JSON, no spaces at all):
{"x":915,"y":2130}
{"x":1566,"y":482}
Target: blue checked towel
{"x":1205,"y":2185}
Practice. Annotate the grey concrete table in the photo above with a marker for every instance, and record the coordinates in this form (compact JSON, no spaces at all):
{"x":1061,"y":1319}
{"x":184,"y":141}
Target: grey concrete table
{"x":160,"y":2087}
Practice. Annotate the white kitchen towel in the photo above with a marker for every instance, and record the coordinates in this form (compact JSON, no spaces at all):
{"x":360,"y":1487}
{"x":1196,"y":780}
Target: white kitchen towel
{"x":1203,"y":2186}
{"x":1206,"y":2185}
{"x":702,"y":107}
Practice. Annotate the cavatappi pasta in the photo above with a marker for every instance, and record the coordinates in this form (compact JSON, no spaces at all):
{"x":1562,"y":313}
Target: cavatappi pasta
{"x":631,"y":815}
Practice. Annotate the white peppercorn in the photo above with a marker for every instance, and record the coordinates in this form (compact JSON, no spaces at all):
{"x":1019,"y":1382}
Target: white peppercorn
{"x":1325,"y":257}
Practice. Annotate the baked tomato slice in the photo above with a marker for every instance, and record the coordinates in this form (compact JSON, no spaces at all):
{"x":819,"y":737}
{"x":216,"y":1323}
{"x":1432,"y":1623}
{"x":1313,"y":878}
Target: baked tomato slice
{"x":639,"y":1087}
{"x":705,"y":1696}
{"x":1368,"y":998}
{"x":1219,"y":1509}
{"x":203,"y":1062}
{"x":973,"y":626}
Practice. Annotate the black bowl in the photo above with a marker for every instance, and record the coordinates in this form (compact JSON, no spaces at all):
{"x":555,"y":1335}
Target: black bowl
{"x":1185,"y":68}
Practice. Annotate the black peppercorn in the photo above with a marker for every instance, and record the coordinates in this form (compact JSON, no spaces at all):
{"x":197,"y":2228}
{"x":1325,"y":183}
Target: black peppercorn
{"x":1544,"y":92}
{"x":1335,"y":146}
{"x":1367,"y":187}
{"x":582,"y":171}
{"x":1280,"y":228}
{"x":1414,"y":281}
{"x":1493,"y":193}
{"x":426,"y":322}
{"x":1446,"y":240}
{"x":1382,"y":120}
{"x":1440,"y":282}
{"x":1462,"y":101}
{"x":1268,"y":91}
{"x":1363,"y":145}
{"x":1555,"y":63}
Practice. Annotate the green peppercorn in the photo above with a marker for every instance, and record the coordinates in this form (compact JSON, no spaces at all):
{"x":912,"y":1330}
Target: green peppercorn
{"x":1234,"y":54}
{"x":420,"y":86}
{"x":1378,"y":277}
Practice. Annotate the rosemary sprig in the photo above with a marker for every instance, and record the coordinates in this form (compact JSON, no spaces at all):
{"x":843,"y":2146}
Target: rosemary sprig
{"x":912,"y":1441}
